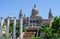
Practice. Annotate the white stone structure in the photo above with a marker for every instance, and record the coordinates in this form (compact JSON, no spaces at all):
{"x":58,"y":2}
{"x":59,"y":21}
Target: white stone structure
{"x":7,"y":28}
{"x":21,"y":27}
{"x":1,"y":24}
{"x":14,"y":29}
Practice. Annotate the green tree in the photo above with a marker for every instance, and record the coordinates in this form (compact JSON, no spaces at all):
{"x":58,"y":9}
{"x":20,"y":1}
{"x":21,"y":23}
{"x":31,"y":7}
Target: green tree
{"x":56,"y":26}
{"x":17,"y":28}
{"x":46,"y":29}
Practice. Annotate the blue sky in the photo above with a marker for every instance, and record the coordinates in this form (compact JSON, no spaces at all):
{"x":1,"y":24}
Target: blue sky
{"x":14,"y":6}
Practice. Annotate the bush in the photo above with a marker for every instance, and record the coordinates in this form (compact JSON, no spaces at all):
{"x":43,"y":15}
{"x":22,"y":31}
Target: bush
{"x":36,"y":38}
{"x":58,"y":38}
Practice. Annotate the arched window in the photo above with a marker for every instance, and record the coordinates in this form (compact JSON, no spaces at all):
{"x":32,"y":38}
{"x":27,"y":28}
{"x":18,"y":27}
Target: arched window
{"x":30,"y":21}
{"x":36,"y":21}
{"x":33,"y":21}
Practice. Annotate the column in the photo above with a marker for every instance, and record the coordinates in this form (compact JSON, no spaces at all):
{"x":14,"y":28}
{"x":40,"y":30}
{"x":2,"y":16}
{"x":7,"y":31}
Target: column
{"x":7,"y":28}
{"x":21,"y":27}
{"x":14,"y":29}
{"x":1,"y":24}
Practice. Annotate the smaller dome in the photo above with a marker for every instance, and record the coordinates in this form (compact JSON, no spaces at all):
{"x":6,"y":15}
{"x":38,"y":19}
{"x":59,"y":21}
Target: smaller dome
{"x":10,"y":15}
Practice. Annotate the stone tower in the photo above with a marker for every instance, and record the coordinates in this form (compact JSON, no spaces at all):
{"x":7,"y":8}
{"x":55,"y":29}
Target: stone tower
{"x":21,"y":24}
{"x":50,"y":16}
{"x":20,"y":14}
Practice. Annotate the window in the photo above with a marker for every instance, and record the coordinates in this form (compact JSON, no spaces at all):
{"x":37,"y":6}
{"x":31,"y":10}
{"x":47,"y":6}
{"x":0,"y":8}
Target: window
{"x":36,"y":21}
{"x":33,"y":21}
{"x":33,"y":25}
{"x":36,"y":25}
{"x":30,"y":21}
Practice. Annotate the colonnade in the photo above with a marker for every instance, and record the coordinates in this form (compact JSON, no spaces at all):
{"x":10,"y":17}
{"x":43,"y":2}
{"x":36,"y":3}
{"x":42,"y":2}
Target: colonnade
{"x":14,"y":27}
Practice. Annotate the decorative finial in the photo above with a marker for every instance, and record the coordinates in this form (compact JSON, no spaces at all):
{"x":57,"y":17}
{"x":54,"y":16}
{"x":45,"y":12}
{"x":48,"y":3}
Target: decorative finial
{"x":34,"y":5}
{"x":10,"y":15}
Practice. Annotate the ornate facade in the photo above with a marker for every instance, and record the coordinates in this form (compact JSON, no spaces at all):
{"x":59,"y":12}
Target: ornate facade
{"x":35,"y":19}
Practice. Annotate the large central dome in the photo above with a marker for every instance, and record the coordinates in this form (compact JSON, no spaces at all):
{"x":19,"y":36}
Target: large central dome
{"x":35,"y":11}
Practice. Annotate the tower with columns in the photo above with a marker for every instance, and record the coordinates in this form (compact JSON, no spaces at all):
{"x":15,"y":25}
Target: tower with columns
{"x":21,"y":24}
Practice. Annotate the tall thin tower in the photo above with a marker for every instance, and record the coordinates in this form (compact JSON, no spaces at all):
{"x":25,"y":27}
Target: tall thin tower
{"x":21,"y":24}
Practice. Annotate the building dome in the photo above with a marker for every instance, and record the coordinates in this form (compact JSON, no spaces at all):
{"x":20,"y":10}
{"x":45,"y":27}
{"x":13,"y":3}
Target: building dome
{"x":35,"y":11}
{"x":10,"y":15}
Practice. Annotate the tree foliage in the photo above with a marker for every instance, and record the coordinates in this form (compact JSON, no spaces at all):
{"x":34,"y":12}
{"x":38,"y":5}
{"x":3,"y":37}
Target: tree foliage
{"x":56,"y":26}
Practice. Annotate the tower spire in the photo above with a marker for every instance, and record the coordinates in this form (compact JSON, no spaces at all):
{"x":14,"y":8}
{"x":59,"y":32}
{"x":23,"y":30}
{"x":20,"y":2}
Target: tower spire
{"x":20,"y":15}
{"x":50,"y":14}
{"x":50,"y":11}
{"x":34,"y":5}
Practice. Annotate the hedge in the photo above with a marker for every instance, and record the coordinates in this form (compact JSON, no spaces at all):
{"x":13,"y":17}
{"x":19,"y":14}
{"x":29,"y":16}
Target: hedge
{"x":36,"y":38}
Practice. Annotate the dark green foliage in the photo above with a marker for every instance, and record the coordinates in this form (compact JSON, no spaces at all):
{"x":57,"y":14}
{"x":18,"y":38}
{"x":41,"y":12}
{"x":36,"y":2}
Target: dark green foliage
{"x":11,"y":27}
{"x":46,"y":30}
{"x":24,"y":29}
{"x":56,"y":26}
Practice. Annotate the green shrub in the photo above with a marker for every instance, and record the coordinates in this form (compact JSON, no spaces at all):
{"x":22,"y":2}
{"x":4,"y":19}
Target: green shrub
{"x":58,"y":38}
{"x":36,"y":38}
